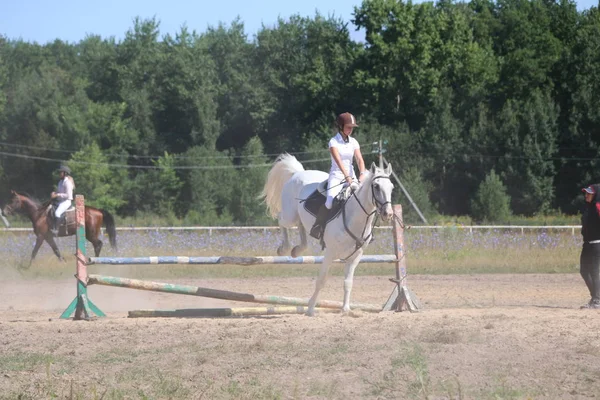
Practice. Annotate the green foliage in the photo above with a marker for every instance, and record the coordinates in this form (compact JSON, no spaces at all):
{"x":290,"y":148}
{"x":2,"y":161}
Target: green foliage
{"x":418,"y":190}
{"x":183,"y":125}
{"x":529,"y":134}
{"x":156,"y":190}
{"x":250,"y":178}
{"x":304,"y":65}
{"x":3,"y":76}
{"x":208,"y":188}
{"x":491,"y":203}
{"x":96,"y":180}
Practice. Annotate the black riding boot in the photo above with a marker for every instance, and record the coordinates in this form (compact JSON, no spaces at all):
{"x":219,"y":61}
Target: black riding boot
{"x":319,"y":226}
{"x":54,"y":226}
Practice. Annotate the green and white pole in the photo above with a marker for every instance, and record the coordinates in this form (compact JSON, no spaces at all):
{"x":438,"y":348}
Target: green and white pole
{"x":81,"y":306}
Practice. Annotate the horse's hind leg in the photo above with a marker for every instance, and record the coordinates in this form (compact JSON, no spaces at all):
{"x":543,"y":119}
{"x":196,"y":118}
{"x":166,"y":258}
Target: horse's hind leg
{"x":320,"y":284}
{"x":38,"y":243}
{"x":52,"y":243}
{"x":285,"y":242}
{"x":97,"y":247}
{"x":297,"y":250}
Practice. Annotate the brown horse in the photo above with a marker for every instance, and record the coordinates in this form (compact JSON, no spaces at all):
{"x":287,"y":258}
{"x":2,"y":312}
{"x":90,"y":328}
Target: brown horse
{"x":40,"y":216}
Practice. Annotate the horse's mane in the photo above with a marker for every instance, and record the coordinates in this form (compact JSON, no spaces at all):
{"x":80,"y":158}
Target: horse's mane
{"x":41,"y":207}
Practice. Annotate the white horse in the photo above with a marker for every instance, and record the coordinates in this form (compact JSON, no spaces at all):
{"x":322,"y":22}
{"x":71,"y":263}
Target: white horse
{"x":4,"y":219}
{"x":346,"y":236}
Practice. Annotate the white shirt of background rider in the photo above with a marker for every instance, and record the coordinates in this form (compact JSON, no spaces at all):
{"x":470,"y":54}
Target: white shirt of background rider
{"x":65,"y":189}
{"x":336,"y":175}
{"x":64,"y":195}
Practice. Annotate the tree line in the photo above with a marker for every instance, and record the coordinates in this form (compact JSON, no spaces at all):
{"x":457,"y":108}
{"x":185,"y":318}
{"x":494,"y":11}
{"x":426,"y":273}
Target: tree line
{"x":487,"y":108}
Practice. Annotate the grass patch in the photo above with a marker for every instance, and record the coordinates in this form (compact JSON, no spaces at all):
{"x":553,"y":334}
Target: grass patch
{"x":27,"y":361}
{"x":427,"y":252}
{"x":443,"y":336}
{"x":408,"y":375}
{"x":324,"y":390}
{"x":506,"y":392}
{"x":247,"y":390}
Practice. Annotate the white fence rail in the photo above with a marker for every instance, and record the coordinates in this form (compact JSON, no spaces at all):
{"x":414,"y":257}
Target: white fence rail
{"x":210,"y":229}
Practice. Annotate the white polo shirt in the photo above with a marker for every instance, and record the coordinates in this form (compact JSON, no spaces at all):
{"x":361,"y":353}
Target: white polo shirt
{"x":346,"y":150}
{"x":65,"y":189}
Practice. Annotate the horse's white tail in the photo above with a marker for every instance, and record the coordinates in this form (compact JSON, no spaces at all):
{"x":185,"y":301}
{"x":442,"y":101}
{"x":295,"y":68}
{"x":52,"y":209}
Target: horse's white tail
{"x":282,"y":170}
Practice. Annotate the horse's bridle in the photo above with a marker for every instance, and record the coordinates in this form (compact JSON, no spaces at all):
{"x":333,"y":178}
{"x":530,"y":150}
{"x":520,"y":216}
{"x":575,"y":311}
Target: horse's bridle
{"x":9,"y":209}
{"x":379,"y":207}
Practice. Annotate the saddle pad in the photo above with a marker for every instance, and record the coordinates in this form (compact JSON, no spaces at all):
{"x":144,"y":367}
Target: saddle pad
{"x":313,"y":203}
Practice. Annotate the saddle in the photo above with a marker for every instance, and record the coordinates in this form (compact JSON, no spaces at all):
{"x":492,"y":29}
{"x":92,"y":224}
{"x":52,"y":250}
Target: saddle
{"x":313,"y":203}
{"x":66,"y":220}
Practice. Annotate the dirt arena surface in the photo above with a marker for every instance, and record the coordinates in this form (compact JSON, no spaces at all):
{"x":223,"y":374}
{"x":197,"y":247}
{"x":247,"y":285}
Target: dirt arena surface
{"x":478,"y":337}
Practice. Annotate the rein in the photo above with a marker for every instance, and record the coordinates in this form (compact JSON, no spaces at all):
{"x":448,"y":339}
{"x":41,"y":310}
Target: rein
{"x":360,"y":242}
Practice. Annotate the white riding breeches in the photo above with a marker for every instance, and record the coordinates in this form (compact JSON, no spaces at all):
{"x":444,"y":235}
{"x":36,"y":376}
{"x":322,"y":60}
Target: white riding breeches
{"x":62,"y":207}
{"x":335,"y":184}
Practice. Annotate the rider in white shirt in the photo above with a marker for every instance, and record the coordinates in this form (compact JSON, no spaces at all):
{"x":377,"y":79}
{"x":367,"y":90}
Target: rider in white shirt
{"x":343,"y":149}
{"x":63,"y":196}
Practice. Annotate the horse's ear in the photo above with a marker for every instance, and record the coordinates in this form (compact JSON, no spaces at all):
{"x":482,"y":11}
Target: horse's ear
{"x":373,"y":168}
{"x":12,"y":192}
{"x":388,"y":169}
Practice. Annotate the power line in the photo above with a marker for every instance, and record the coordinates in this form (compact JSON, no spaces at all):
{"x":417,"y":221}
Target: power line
{"x":215,"y":167}
{"x":175,"y":156}
{"x":149,"y":167}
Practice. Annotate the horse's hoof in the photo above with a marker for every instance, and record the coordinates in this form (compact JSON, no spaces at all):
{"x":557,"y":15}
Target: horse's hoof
{"x":296,"y":252}
{"x":281,"y":251}
{"x":310,"y":312}
{"x":352,"y":314}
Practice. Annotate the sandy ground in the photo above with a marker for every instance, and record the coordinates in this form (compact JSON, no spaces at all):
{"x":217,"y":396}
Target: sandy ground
{"x":480,"y":336}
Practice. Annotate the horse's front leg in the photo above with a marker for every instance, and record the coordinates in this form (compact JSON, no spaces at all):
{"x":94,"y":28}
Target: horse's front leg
{"x":52,"y":243}
{"x":349,"y":279}
{"x":283,"y":249}
{"x":297,"y":250}
{"x":320,"y":284}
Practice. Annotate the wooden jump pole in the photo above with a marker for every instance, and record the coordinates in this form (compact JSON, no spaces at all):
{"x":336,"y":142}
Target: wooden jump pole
{"x":82,"y":307}
{"x":258,"y":260}
{"x":219,"y":294}
{"x":223,"y":312}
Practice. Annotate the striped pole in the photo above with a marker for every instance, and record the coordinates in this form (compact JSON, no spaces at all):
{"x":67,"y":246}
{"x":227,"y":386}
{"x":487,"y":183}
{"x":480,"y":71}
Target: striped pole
{"x":259,"y":260}
{"x":219,"y":294}
{"x":223,"y":312}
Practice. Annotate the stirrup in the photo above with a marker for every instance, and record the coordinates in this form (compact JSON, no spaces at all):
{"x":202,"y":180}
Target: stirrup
{"x":316,"y":231}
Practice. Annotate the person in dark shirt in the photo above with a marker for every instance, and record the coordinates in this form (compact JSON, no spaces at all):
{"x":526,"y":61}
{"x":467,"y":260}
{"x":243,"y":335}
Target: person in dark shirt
{"x":589,"y":260}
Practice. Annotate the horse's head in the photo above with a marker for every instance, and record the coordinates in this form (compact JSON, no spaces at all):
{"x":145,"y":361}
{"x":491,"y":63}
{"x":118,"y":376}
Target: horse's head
{"x":15,"y":204}
{"x":381,"y":190}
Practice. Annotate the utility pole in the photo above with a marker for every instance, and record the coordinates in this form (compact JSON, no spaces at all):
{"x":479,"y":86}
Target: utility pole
{"x":408,"y":196}
{"x":380,"y":153}
{"x":379,"y":148}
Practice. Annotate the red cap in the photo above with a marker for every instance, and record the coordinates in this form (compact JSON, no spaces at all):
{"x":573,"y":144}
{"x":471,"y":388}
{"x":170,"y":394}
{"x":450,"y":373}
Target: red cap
{"x":589,"y":190}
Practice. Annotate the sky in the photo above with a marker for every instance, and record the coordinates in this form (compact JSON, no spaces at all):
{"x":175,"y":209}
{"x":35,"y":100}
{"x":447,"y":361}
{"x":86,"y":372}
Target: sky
{"x":44,"y":21}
